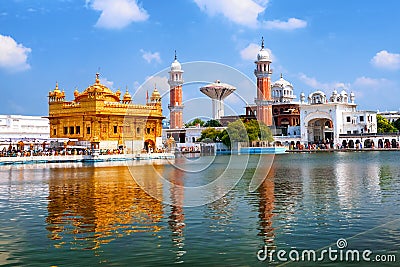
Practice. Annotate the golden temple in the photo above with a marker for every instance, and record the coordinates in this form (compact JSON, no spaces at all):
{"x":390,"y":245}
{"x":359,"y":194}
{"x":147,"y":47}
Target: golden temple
{"x":100,"y":117}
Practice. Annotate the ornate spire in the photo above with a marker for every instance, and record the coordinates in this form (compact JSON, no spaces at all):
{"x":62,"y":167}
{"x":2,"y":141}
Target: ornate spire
{"x":97,"y":77}
{"x":262,"y":42}
{"x":281,"y":76}
{"x":57,"y":89}
{"x":175,"y":56}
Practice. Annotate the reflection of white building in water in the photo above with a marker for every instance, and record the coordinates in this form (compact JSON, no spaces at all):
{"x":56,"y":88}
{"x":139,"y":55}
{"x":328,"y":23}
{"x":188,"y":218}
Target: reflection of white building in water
{"x":324,"y":119}
{"x":351,"y":176}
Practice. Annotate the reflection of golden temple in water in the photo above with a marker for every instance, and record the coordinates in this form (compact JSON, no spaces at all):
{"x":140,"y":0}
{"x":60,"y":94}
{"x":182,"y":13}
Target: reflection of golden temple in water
{"x":92,"y":206}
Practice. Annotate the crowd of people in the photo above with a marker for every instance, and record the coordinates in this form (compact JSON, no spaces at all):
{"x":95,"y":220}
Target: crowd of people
{"x":14,"y":152}
{"x":345,"y":145}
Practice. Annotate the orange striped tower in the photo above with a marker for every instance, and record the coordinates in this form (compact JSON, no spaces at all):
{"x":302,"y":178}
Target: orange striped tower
{"x":263,"y":73}
{"x":175,"y":106}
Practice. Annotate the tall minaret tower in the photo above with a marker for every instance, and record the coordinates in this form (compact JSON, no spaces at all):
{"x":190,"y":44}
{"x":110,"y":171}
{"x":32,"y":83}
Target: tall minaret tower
{"x":175,"y":106}
{"x":263,"y":73}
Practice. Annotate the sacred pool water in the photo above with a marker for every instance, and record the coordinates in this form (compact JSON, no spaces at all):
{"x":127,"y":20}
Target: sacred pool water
{"x":97,"y":214}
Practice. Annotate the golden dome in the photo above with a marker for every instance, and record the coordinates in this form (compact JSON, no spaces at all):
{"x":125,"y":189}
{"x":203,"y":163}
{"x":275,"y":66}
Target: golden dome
{"x":99,"y":88}
{"x":57,"y":90}
{"x":155,"y":96}
{"x":127,"y":95}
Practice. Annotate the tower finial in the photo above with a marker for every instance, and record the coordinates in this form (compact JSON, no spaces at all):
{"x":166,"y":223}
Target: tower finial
{"x":281,"y":75}
{"x":262,"y":42}
{"x":175,"y":54}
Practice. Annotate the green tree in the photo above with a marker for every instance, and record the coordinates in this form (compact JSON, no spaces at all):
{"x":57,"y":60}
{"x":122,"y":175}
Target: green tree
{"x":210,"y":133}
{"x":225,"y":139}
{"x":195,"y":122}
{"x":212,"y":123}
{"x":246,"y":131}
{"x":384,"y":126}
{"x":265,"y":133}
{"x":397,"y":124}
{"x":237,"y":131}
{"x":258,"y":131}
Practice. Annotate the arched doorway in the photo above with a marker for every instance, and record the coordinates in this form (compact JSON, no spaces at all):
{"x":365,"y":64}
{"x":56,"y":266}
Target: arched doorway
{"x":394,"y":143}
{"x":367,"y":143}
{"x":344,"y":144}
{"x":351,"y":144}
{"x":149,"y":145}
{"x":380,"y":143}
{"x":358,"y":144}
{"x":320,"y":130}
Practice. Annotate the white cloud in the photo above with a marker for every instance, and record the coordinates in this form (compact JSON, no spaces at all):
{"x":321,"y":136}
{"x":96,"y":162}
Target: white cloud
{"x":312,"y":82}
{"x":386,"y":60}
{"x":317,"y":85}
{"x":291,"y":24}
{"x":160,"y":82}
{"x":250,"y":52}
{"x":13,"y":56}
{"x":370,"y":90}
{"x":341,"y":86}
{"x":373,"y":83}
{"x":149,"y":56}
{"x":117,"y":14}
{"x":106,"y":82}
{"x":362,"y":86}
{"x":243,"y":12}
{"x":246,"y":13}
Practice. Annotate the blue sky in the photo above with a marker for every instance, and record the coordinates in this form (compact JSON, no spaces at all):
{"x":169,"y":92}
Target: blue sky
{"x":317,"y":45}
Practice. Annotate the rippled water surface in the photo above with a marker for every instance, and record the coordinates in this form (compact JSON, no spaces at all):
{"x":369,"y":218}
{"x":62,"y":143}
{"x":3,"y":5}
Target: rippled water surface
{"x":85,"y":215}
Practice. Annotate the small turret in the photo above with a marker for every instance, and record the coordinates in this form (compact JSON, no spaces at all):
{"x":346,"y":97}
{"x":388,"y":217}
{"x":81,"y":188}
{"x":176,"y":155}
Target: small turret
{"x":352,"y":97}
{"x":127,"y":99}
{"x":76,"y":93}
{"x":302,"y":97}
{"x":155,"y":96}
{"x":56,"y":95}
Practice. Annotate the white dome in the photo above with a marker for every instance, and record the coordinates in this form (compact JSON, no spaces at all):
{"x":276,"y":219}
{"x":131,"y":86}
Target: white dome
{"x":263,"y":55}
{"x":176,"y":65}
{"x":334,"y":92}
{"x":322,"y":94}
{"x":282,"y":83}
{"x":343,"y":93}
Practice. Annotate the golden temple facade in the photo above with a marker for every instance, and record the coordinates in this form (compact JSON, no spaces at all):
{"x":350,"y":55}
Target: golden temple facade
{"x":100,"y":117}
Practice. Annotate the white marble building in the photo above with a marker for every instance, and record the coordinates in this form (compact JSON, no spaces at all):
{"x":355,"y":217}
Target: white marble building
{"x":23,"y":127}
{"x":282,"y":91}
{"x":391,"y":116}
{"x":324,"y":119}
